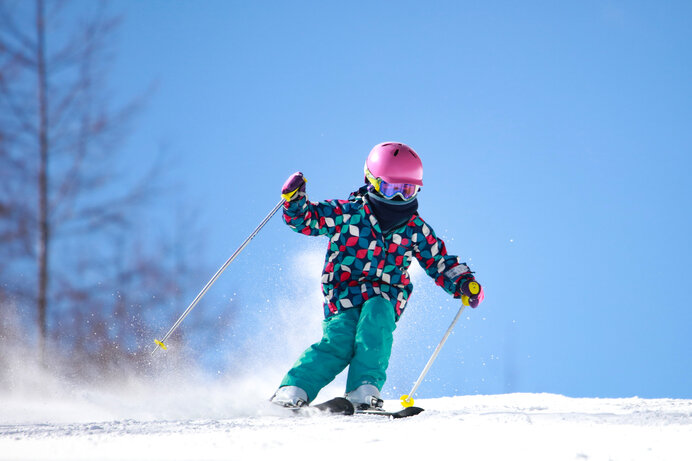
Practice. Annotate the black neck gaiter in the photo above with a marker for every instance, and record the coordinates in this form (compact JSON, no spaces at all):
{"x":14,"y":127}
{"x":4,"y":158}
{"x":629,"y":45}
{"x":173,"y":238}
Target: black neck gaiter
{"x":391,"y":213}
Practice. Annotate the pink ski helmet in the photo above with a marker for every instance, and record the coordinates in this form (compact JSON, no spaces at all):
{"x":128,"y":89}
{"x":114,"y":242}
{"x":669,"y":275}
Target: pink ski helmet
{"x":395,"y":162}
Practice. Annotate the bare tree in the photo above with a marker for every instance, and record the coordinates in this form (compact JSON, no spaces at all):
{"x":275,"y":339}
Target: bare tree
{"x":67,"y":210}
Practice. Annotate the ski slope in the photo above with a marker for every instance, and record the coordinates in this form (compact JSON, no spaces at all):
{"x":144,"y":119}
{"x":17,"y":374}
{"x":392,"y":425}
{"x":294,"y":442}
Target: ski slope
{"x":494,"y":427}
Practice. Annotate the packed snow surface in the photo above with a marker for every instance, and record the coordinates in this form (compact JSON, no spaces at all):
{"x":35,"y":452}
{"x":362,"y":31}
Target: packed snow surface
{"x":493,"y":427}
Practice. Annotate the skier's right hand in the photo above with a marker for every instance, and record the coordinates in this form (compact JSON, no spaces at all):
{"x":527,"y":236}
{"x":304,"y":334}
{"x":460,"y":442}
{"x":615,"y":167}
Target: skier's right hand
{"x":294,"y":183}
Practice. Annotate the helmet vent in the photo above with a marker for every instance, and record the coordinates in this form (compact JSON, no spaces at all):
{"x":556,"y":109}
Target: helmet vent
{"x":396,"y":152}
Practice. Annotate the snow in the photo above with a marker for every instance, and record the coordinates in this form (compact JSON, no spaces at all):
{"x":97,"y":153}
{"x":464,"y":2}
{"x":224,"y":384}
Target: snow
{"x":484,"y":427}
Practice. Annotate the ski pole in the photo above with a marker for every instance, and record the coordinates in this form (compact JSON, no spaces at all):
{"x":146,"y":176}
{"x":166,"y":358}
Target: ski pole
{"x":161,"y":344}
{"x":407,"y":400}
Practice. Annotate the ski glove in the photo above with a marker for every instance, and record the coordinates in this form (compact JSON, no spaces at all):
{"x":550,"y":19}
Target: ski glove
{"x":294,"y":183}
{"x":471,"y":293}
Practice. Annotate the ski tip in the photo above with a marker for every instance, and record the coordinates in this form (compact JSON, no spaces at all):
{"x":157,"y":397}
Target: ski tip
{"x":410,"y":411}
{"x":161,"y":344}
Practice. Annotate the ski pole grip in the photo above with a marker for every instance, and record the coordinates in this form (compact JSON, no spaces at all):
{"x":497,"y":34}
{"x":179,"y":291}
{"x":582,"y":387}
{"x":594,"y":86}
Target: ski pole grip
{"x":473,"y":288}
{"x":292,"y":185}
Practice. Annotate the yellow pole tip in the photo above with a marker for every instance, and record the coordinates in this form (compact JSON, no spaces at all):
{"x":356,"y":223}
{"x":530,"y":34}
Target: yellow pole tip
{"x":161,"y":344}
{"x":406,"y":401}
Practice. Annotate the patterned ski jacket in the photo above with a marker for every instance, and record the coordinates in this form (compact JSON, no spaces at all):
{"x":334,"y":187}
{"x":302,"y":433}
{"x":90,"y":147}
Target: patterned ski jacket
{"x":362,"y":262}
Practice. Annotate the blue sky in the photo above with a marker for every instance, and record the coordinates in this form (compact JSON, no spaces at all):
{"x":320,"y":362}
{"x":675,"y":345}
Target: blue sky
{"x":556,"y":143}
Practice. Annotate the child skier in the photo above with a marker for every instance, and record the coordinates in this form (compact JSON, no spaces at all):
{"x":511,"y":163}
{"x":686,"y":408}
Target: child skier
{"x":373,"y":235}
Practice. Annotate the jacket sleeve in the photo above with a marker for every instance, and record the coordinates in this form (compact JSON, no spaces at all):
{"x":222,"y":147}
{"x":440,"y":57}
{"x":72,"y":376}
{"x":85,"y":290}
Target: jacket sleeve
{"x":313,"y":218}
{"x":447,"y":271}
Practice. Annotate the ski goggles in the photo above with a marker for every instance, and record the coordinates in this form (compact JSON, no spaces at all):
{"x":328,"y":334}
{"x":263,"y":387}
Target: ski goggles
{"x":391,"y":190}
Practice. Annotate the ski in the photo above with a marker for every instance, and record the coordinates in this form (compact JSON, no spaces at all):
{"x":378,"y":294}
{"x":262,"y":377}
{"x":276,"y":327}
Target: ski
{"x":342,"y":406}
{"x":405,"y":413}
{"x":337,"y":405}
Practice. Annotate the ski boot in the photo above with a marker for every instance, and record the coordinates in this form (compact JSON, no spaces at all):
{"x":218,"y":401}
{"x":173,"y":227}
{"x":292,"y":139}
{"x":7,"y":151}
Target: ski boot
{"x":290,"y":397}
{"x":366,"y":398}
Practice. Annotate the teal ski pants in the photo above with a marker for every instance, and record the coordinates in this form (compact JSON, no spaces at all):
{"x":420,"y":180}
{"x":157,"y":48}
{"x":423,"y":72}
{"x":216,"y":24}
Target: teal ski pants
{"x":359,"y":337}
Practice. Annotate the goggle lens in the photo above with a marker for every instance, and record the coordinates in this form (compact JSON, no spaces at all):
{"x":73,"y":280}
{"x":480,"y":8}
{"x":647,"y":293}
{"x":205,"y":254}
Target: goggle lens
{"x":406,"y":191}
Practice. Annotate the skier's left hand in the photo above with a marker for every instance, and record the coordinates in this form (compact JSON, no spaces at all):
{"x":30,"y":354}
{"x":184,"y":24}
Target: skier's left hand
{"x":471,"y":293}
